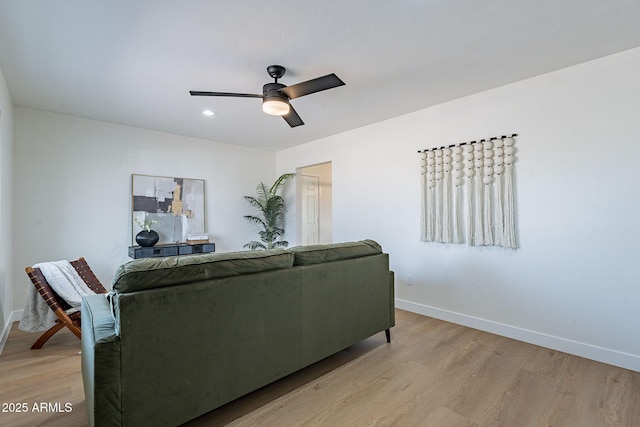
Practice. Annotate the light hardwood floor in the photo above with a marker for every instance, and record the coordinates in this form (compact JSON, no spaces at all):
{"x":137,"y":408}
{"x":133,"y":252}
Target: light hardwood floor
{"x":433,"y":373}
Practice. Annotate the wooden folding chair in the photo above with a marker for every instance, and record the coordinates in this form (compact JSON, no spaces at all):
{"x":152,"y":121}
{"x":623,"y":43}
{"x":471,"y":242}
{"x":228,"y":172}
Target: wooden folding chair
{"x":60,"y":306}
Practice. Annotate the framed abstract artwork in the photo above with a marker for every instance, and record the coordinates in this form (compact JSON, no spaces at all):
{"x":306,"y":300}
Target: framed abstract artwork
{"x":174,"y":207}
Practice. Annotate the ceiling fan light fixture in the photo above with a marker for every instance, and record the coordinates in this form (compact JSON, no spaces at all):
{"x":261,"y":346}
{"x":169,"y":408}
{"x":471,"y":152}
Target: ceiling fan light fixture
{"x":276,"y":106}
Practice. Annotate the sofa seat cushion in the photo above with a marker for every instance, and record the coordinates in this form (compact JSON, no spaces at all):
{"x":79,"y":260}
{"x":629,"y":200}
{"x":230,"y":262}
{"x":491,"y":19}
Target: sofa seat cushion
{"x":148,"y":273}
{"x":316,"y":254}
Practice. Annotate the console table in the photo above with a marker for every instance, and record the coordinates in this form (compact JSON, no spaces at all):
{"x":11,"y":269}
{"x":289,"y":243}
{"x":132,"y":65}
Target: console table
{"x":136,"y":252}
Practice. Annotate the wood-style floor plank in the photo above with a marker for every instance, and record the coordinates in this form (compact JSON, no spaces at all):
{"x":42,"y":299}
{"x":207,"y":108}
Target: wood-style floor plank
{"x":47,"y":382}
{"x":433,"y":373}
{"x":579,"y":398}
{"x":622,"y":399}
{"x":523,"y":403}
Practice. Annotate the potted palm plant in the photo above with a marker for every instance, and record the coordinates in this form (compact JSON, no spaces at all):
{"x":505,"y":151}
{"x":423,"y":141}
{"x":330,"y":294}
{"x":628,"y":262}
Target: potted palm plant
{"x":270,"y":206}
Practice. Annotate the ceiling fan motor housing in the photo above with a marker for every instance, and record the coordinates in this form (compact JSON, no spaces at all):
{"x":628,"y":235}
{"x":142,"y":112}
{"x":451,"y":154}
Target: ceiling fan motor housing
{"x":274,"y":102}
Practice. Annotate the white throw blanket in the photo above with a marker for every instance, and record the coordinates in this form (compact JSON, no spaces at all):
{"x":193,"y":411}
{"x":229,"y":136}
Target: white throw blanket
{"x":66,"y":282}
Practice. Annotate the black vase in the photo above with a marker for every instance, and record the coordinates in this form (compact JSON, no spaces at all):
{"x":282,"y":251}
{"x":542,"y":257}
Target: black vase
{"x":147,"y":238}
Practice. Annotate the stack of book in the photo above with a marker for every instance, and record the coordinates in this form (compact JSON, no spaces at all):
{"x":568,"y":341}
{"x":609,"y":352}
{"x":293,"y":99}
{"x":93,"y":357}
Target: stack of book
{"x":197,"y":239}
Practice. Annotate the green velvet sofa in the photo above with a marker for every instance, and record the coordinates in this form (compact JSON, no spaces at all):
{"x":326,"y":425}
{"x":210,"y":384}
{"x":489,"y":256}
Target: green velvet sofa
{"x":180,"y":336}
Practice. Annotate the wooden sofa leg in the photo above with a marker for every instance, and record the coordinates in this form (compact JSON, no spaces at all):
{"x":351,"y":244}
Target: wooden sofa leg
{"x":48,"y":334}
{"x":387,"y":332}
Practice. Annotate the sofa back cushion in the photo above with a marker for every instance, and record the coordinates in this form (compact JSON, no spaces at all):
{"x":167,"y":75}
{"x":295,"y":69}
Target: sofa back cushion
{"x":316,"y":254}
{"x":148,"y":273}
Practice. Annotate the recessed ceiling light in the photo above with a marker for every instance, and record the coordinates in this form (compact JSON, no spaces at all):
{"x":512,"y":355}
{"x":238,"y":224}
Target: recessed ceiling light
{"x":208,"y":113}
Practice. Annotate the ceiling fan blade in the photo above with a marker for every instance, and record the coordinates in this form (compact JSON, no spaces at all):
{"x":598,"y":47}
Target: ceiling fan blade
{"x":292,"y":117}
{"x":237,"y":95}
{"x":312,"y":86}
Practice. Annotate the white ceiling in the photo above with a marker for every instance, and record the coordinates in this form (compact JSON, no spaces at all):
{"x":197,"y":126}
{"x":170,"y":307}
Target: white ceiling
{"x":134,"y":62}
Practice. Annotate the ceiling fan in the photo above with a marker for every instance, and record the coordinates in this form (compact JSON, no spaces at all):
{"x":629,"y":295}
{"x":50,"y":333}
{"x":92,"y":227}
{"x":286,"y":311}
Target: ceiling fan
{"x":275,"y":96}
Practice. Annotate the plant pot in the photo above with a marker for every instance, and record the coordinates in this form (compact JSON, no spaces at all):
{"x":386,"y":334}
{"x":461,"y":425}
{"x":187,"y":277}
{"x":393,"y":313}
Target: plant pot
{"x":147,"y":238}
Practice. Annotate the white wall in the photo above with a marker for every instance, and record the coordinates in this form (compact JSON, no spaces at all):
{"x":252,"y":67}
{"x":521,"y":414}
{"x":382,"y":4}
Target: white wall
{"x":6,"y":192}
{"x":72,"y":188}
{"x":574,"y":282}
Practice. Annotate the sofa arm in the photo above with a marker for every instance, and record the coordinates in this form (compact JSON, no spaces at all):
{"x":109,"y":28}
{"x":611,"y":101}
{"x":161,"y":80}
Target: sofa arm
{"x":100,"y":348}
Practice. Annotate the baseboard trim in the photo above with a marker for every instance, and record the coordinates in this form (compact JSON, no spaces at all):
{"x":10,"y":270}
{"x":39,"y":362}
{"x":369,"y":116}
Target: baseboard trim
{"x":5,"y":333}
{"x":600,"y":354}
{"x":15,"y":316}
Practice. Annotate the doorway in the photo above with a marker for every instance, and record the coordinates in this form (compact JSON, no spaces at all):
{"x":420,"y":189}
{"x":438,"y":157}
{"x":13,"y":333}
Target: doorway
{"x":314,"y":205}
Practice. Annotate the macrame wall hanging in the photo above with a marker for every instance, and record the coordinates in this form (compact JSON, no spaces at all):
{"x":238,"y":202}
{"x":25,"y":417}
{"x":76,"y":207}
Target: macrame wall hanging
{"x":467,"y":193}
